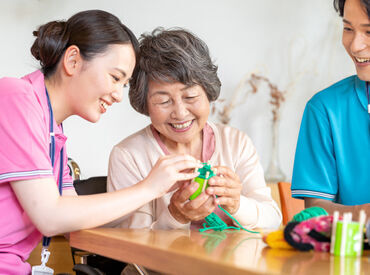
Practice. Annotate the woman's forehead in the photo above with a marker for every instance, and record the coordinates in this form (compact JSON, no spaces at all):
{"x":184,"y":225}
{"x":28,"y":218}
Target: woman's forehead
{"x":162,"y":86}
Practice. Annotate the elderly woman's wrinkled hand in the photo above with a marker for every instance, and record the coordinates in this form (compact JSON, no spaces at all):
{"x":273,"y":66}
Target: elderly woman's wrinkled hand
{"x":227,"y":187}
{"x":185,"y":210}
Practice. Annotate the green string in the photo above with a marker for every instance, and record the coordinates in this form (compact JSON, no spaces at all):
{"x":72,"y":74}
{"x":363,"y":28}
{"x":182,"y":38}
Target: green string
{"x":235,"y":220}
{"x":214,"y":222}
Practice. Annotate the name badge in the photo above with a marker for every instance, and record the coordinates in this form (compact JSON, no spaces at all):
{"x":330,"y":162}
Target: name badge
{"x":43,"y":269}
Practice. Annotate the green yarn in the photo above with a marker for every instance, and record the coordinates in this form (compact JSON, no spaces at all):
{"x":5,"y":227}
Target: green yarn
{"x":235,"y":220}
{"x":309,"y":213}
{"x":213,"y":222}
{"x":203,"y":171}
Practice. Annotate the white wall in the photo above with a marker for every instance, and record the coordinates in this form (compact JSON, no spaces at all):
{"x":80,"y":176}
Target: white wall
{"x":286,"y":40}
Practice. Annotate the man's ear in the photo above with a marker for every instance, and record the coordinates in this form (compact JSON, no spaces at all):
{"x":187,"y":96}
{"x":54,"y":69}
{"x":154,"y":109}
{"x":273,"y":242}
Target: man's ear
{"x":72,"y":60}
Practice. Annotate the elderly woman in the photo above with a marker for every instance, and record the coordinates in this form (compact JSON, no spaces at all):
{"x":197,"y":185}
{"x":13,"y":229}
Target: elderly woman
{"x":173,"y":84}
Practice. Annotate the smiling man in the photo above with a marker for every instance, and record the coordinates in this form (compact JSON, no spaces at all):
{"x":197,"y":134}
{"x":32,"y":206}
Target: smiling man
{"x":332,"y":161}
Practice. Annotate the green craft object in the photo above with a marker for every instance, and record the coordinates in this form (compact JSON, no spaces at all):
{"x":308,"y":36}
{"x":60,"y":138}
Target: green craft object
{"x":203,"y":171}
{"x":201,"y":182}
{"x":309,"y":213}
{"x":202,"y":179}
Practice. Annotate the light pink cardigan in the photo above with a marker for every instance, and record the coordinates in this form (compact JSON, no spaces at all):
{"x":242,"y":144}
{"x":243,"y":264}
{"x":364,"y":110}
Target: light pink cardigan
{"x":132,"y":159}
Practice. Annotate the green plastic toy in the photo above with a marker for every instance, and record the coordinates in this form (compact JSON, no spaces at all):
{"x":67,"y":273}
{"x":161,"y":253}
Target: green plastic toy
{"x":206,"y":173}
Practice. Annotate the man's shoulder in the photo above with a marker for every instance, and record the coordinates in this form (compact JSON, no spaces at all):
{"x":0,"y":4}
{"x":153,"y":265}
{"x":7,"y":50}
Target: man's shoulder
{"x":339,"y":89}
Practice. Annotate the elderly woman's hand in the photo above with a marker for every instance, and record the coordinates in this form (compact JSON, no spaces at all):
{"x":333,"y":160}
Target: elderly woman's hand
{"x":185,"y":210}
{"x":227,"y":187}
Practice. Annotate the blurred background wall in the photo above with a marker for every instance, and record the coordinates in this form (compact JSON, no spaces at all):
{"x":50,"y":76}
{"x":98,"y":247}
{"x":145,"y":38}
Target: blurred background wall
{"x":296,"y":44}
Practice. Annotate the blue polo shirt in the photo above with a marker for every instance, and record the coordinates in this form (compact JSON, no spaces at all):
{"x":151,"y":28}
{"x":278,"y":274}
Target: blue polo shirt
{"x":332,"y":159}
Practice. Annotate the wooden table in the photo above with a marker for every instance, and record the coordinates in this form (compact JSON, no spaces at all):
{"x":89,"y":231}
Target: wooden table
{"x":191,"y":252}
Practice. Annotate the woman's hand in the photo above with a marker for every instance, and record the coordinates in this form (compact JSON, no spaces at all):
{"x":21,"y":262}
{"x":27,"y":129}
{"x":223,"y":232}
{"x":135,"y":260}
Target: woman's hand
{"x":184,"y":210}
{"x":227,"y":187}
{"x":168,"y":170}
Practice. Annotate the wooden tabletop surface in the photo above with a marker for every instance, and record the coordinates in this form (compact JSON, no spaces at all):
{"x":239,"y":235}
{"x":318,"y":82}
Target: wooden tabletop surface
{"x":228,"y":252}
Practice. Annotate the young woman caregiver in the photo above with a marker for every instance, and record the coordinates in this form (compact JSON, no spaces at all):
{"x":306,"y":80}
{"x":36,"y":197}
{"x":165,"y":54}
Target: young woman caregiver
{"x":85,"y":62}
{"x":331,"y":167}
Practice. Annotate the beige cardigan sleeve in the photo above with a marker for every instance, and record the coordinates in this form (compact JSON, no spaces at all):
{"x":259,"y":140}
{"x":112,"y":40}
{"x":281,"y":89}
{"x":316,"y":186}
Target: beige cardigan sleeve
{"x":257,"y":208}
{"x":126,"y":168}
{"x":122,"y":173}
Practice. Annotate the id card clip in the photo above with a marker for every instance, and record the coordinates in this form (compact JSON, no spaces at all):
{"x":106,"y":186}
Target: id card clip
{"x":43,"y":269}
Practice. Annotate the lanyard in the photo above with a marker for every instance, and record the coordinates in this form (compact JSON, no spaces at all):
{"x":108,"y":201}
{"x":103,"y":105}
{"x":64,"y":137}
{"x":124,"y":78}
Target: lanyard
{"x":46,"y":240}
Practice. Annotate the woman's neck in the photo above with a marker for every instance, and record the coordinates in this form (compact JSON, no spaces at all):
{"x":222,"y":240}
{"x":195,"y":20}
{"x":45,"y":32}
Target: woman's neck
{"x":193,"y":148}
{"x":58,"y":101}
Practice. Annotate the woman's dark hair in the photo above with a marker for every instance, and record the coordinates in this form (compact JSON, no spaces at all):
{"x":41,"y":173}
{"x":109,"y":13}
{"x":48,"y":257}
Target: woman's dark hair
{"x":91,"y":31}
{"x":173,"y":55}
{"x":339,"y":6}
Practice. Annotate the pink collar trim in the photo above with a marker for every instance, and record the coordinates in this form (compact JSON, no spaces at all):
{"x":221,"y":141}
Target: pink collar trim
{"x":208,"y":147}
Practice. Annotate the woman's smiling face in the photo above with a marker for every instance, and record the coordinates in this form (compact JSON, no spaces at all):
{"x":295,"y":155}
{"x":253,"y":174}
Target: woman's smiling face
{"x":178,"y":112}
{"x":100,"y":81}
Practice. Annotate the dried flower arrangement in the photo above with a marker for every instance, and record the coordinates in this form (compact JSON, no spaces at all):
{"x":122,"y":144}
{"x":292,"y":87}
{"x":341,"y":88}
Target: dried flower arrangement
{"x":277,"y":97}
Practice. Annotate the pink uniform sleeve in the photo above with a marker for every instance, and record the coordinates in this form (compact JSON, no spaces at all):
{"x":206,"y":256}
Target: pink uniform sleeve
{"x":24,"y":149}
{"x":67,"y":178}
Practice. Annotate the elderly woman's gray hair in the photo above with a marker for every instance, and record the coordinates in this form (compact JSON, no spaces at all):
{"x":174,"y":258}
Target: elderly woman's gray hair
{"x":173,"y":55}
